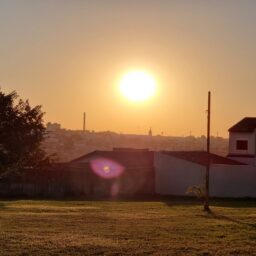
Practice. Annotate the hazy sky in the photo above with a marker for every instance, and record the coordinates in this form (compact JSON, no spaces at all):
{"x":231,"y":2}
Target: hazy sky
{"x":69,"y":55}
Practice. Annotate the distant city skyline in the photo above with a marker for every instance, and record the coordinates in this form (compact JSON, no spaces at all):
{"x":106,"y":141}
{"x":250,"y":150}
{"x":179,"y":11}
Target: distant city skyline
{"x":54,"y":126}
{"x":70,"y":144}
{"x":69,"y":57}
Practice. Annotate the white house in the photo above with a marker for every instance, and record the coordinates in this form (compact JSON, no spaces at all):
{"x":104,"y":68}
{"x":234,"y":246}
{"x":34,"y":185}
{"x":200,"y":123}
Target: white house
{"x":242,"y":141}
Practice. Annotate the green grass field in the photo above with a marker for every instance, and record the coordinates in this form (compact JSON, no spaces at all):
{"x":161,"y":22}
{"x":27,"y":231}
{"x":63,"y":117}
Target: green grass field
{"x":173,"y":227}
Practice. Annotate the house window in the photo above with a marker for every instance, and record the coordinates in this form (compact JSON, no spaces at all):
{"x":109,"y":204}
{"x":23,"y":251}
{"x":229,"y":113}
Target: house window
{"x":242,"y":144}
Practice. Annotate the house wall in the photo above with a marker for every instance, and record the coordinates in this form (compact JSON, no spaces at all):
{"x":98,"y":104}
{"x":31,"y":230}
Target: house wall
{"x":174,"y":176}
{"x":233,"y":137}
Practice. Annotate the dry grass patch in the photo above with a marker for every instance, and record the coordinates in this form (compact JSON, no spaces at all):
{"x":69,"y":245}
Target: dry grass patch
{"x":126,"y":228}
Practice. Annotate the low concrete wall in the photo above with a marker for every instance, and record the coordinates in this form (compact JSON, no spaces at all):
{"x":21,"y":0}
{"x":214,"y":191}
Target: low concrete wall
{"x":174,"y":176}
{"x":233,"y":181}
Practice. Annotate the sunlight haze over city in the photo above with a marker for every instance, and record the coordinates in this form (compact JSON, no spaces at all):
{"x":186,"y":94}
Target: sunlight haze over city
{"x":71,"y":56}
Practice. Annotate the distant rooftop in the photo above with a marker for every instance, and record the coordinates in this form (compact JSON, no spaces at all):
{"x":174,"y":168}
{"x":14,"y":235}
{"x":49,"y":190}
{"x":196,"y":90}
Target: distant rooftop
{"x":247,"y":124}
{"x":131,"y":149}
{"x":201,"y":157}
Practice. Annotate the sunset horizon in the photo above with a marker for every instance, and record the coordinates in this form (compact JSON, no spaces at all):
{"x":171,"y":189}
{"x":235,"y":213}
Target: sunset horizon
{"x":70,"y":57}
{"x":127,"y":127}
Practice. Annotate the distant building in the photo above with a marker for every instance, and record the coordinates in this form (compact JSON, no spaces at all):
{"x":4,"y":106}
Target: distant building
{"x":242,"y":141}
{"x":53,"y":127}
{"x":150,"y":132}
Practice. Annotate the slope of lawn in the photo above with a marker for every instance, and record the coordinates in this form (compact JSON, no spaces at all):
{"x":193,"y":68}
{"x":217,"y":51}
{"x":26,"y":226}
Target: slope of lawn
{"x":173,"y":227}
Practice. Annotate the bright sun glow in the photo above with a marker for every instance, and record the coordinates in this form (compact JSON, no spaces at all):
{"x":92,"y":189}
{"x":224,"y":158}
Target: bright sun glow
{"x":137,"y":86}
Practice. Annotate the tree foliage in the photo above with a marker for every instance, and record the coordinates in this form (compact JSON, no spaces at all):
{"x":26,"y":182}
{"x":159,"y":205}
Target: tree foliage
{"x":21,"y":133}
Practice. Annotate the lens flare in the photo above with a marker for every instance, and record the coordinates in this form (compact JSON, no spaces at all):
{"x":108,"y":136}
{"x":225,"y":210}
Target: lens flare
{"x":106,"y":168}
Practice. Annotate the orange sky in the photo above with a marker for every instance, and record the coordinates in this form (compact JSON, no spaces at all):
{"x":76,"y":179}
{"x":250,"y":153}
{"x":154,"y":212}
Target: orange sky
{"x":69,"y":56}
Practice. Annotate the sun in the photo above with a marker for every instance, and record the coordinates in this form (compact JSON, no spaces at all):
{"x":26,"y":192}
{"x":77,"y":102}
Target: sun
{"x":137,"y":86}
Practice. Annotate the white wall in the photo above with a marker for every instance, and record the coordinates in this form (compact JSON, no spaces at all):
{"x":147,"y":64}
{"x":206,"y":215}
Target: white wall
{"x":246,"y":160}
{"x":233,"y":137}
{"x":174,"y":176}
{"x":233,"y":181}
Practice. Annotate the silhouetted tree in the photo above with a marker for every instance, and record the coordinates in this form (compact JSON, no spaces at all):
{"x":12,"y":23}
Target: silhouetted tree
{"x":21,"y":132}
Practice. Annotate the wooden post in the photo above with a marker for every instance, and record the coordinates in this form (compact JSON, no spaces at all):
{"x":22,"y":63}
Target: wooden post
{"x":84,"y":122}
{"x":207,"y":176}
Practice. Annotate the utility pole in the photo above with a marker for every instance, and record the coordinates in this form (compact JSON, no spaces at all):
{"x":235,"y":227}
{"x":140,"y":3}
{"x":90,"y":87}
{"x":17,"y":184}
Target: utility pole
{"x":207,"y":176}
{"x":84,"y":122}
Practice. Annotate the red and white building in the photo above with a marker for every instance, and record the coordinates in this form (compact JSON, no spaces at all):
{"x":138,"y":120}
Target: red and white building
{"x":242,"y":141}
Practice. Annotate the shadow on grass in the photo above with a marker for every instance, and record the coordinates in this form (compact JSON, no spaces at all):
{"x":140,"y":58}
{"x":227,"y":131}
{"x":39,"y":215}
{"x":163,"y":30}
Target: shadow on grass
{"x":216,"y":202}
{"x":234,"y":203}
{"x":168,"y":200}
{"x":215,"y":215}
